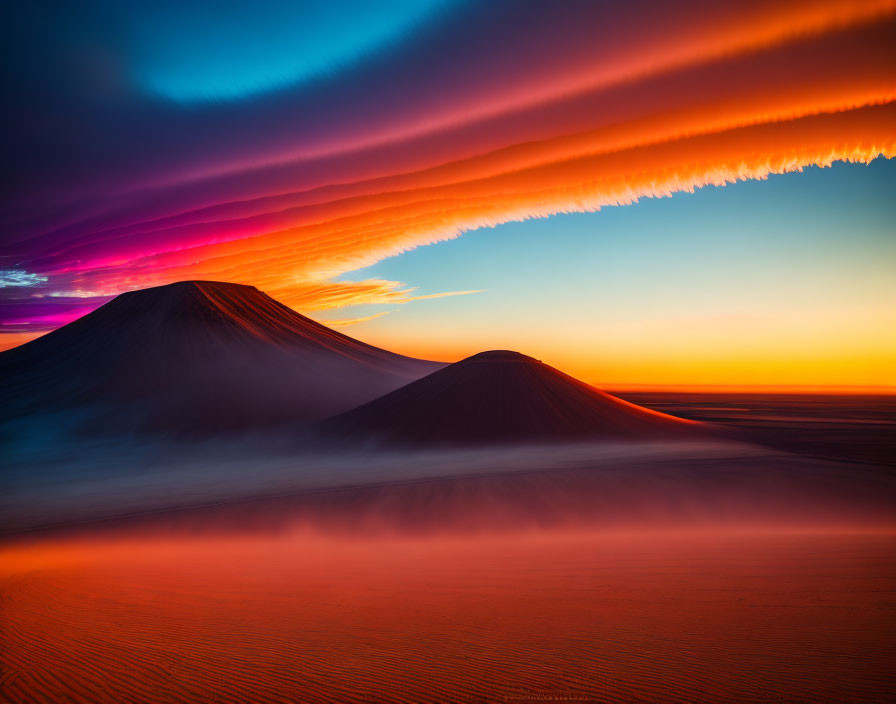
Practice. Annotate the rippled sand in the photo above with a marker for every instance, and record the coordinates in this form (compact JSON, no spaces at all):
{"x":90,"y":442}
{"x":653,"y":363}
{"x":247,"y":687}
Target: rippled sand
{"x":598,"y":617}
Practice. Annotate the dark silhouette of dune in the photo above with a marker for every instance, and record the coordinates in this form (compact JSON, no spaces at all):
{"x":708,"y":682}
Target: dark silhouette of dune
{"x":196,"y":357}
{"x":501,"y":397}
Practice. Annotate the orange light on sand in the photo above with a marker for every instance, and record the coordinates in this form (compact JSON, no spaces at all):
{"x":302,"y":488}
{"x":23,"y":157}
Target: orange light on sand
{"x":584,"y":615}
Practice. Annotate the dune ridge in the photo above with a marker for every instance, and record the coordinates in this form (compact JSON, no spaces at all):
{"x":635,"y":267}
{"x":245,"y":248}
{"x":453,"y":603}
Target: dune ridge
{"x":197,"y":357}
{"x":499,"y":397}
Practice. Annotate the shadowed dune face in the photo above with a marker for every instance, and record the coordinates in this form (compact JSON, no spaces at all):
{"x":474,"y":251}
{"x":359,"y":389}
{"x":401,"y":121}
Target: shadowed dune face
{"x":501,"y":397}
{"x":197,"y":357}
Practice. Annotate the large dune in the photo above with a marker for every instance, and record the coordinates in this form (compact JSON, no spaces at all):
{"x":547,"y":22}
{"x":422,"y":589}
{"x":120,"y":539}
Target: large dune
{"x":501,"y":397}
{"x":196,"y":357}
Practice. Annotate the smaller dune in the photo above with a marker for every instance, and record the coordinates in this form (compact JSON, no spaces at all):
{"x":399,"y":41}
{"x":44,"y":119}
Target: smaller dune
{"x":501,"y":397}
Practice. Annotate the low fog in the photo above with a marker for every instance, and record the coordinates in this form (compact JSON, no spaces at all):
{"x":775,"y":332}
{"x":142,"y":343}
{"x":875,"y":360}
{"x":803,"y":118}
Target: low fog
{"x":264,"y":482}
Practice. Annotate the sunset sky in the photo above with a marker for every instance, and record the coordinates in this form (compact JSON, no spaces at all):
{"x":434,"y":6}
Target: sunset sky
{"x":641,"y":193}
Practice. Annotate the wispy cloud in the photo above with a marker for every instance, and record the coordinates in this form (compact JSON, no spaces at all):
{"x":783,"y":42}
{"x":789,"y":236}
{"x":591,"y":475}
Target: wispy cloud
{"x":399,"y":296}
{"x":17,"y":277}
{"x":326,"y":295}
{"x":443,"y":295}
{"x":352,"y":321}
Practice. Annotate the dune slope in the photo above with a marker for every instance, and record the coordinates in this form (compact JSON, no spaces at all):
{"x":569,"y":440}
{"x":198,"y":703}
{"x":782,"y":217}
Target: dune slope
{"x":502,"y":397}
{"x":197,"y":357}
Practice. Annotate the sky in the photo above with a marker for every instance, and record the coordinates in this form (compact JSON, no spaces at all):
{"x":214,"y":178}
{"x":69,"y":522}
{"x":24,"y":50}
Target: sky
{"x":630,"y":191}
{"x":784,"y":281}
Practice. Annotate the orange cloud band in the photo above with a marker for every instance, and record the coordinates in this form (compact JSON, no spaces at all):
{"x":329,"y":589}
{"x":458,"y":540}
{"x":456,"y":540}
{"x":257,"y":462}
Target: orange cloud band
{"x":790,"y":86}
{"x":389,"y":223}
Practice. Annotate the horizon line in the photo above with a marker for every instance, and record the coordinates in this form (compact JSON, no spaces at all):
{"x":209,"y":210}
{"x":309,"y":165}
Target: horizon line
{"x":808,"y":389}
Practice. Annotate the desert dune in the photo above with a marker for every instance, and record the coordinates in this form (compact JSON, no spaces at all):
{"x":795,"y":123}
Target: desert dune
{"x":195,"y":357}
{"x":501,"y":397}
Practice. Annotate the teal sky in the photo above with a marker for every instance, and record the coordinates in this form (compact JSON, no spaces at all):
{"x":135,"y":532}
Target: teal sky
{"x":230,"y":49}
{"x":810,"y":244}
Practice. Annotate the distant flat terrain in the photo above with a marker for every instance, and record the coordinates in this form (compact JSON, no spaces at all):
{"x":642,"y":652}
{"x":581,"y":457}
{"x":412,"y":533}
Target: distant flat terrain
{"x":860,"y":428}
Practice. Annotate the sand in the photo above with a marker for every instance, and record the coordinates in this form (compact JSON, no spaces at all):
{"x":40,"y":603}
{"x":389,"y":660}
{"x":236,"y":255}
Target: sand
{"x":701,"y":616}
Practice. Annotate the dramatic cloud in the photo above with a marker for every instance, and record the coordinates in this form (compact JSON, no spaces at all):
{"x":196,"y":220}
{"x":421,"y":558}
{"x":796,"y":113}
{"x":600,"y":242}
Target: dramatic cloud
{"x":481,"y":115}
{"x":16,"y":277}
